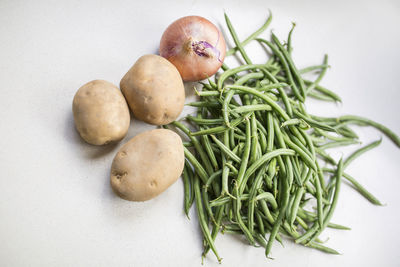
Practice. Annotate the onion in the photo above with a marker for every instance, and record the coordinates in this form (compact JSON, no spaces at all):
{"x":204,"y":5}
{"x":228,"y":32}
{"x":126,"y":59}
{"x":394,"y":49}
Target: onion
{"x":195,"y":46}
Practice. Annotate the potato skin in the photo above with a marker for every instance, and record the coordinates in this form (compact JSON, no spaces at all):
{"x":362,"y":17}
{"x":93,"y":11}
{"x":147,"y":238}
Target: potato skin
{"x":154,"y":90}
{"x":147,"y":165}
{"x":101,"y":113}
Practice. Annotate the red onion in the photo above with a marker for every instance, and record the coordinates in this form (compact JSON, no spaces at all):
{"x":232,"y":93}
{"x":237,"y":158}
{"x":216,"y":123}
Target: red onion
{"x":195,"y":46}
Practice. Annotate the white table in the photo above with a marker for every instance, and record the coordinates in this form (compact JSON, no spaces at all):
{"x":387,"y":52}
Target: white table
{"x":56,"y":205}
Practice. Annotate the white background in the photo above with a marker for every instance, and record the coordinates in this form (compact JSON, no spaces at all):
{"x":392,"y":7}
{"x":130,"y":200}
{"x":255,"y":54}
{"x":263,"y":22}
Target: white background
{"x":56,"y":205}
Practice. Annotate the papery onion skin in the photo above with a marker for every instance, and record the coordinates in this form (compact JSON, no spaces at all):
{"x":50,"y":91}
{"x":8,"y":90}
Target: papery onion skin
{"x":195,"y":46}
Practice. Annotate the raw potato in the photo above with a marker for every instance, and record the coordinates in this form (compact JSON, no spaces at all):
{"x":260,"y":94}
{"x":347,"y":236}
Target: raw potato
{"x":154,"y":90}
{"x":147,"y":165}
{"x":101,"y":113}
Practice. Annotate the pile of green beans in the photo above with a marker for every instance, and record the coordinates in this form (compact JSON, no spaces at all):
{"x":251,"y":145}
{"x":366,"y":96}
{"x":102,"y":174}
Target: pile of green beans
{"x":254,"y":154}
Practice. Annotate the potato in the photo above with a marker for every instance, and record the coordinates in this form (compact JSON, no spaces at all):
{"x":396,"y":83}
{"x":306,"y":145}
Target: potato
{"x":154,"y":90}
{"x":147,"y":165}
{"x":101,"y":113}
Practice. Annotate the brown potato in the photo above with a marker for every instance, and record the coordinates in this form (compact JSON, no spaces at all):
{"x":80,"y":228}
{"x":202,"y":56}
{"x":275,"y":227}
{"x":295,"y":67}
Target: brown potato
{"x":154,"y":90}
{"x":147,"y":165}
{"x":101,"y":113}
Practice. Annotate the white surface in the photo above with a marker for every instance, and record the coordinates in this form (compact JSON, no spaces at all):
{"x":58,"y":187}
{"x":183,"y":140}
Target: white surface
{"x":56,"y":205}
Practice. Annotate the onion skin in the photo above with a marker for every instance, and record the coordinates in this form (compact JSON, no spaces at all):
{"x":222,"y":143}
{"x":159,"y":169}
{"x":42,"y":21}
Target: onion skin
{"x":195,"y":46}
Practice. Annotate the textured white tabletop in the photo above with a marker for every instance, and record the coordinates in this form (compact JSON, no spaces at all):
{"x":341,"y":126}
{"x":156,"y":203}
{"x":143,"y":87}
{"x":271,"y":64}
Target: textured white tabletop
{"x":56,"y":205}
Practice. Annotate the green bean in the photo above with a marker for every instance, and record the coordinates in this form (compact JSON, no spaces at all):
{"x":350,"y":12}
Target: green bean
{"x":254,"y":139}
{"x":317,"y":140}
{"x":202,"y":221}
{"x":338,"y":226}
{"x":338,"y":143}
{"x":208,"y":149}
{"x":216,"y":226}
{"x":225,"y":169}
{"x":236,"y":40}
{"x":212,"y":178}
{"x":295,"y":205}
{"x":260,"y":223}
{"x":323,"y":248}
{"x":275,"y":179}
{"x":357,"y":119}
{"x":262,"y":140}
{"x":208,"y":86}
{"x":285,"y":66}
{"x":198,"y":147}
{"x":246,"y":154}
{"x":220,"y":201}
{"x":324,"y":91}
{"x":289,"y":40}
{"x":309,"y":143}
{"x":282,"y":93}
{"x":232,"y":168}
{"x":251,"y":203}
{"x":320,"y":76}
{"x":265,"y":210}
{"x":250,"y":108}
{"x":289,"y":206}
{"x":266,"y":157}
{"x":312,"y":68}
{"x":261,"y":127}
{"x":187,"y":144}
{"x":219,"y":129}
{"x":320,"y":96}
{"x":314,"y":231}
{"x":264,"y":97}
{"x":319,"y":201}
{"x":207,"y":93}
{"x":206,"y":204}
{"x":325,"y":156}
{"x":330,"y":137}
{"x":300,"y":122}
{"x":268,"y":197}
{"x":309,"y":233}
{"x":212,"y":84}
{"x":301,"y":223}
{"x":237,"y":232}
{"x":328,"y":216}
{"x":314,"y":123}
{"x":292,"y":67}
{"x":275,"y":85}
{"x":287,"y":167}
{"x":310,"y":217}
{"x":278,"y":221}
{"x":252,"y":75}
{"x":233,"y":71}
{"x":225,"y":149}
{"x":361,"y":151}
{"x":270,"y":127}
{"x":345,"y":131}
{"x":201,"y":121}
{"x":227,"y":99}
{"x":238,"y":217}
{"x":232,"y":142}
{"x":225,"y":176}
{"x":204,"y":104}
{"x":188,"y":189}
{"x":239,"y":137}
{"x":357,"y":186}
{"x":197,"y":166}
{"x":306,"y":215}
{"x":252,"y":36}
{"x":271,"y":172}
{"x":307,"y":159}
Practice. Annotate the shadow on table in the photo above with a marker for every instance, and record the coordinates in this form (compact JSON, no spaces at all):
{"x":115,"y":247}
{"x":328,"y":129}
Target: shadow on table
{"x":89,"y":151}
